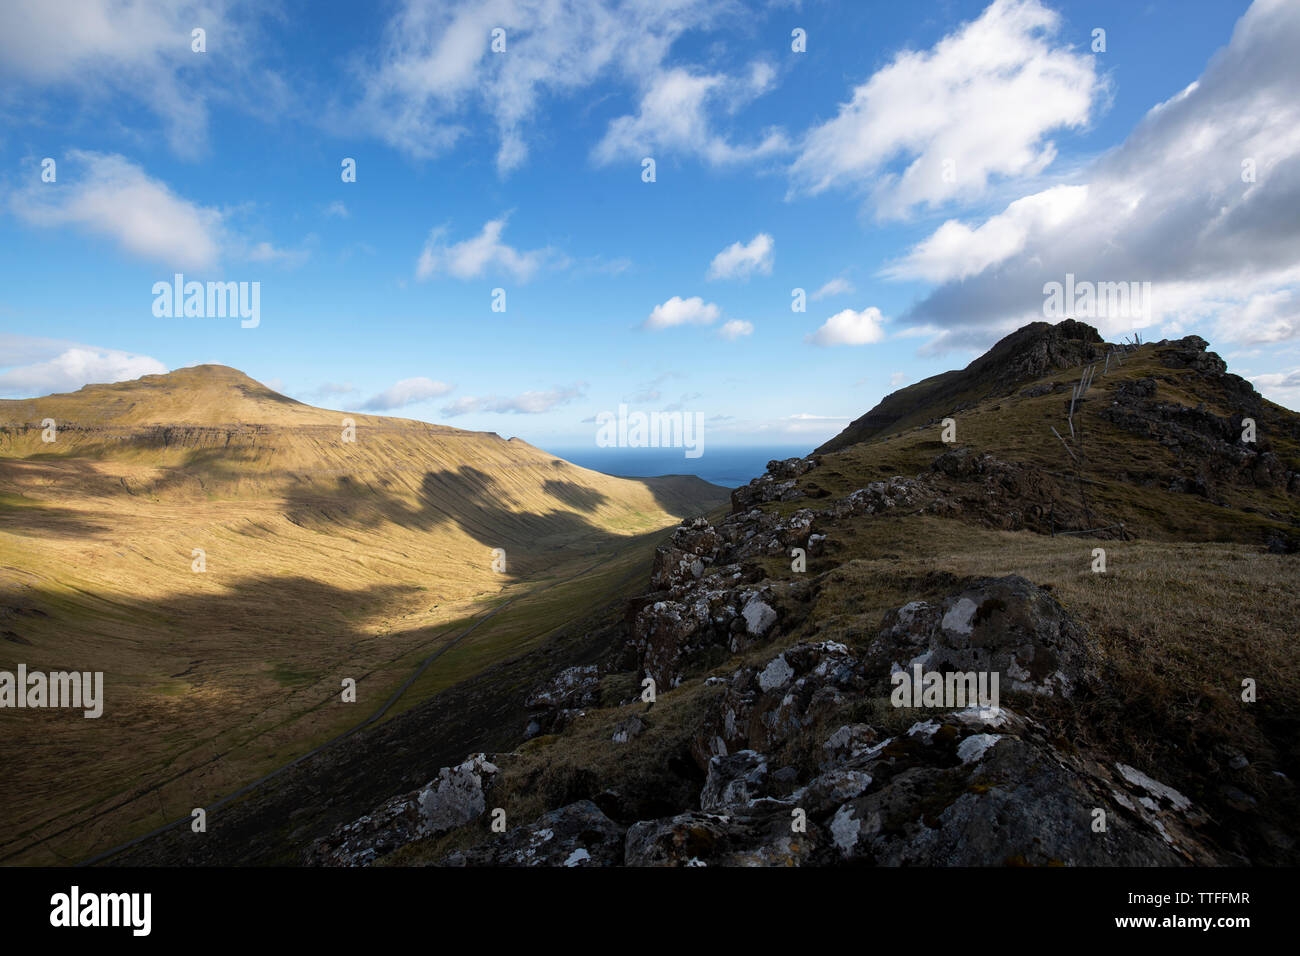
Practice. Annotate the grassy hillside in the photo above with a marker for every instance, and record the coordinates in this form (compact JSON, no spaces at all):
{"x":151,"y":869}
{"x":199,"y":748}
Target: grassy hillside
{"x":1123,"y":477}
{"x":324,"y":559}
{"x":1193,"y":600}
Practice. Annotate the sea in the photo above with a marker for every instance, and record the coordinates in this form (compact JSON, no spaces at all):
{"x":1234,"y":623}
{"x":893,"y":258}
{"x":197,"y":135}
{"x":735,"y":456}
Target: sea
{"x":730,"y":467}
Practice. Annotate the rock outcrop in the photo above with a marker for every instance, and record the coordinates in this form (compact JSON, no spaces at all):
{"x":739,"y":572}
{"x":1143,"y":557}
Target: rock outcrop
{"x":801,"y":753}
{"x":455,"y":797}
{"x":575,"y":835}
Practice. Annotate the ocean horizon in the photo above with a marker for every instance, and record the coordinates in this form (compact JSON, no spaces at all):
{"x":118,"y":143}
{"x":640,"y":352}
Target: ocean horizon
{"x":730,"y":467}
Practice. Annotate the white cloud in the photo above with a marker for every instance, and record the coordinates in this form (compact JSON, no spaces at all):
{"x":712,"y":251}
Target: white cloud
{"x":836,"y":286}
{"x":1173,"y":205}
{"x":1280,"y":387}
{"x":849,"y":328}
{"x":527,"y":403}
{"x":955,"y":251}
{"x":64,"y":367}
{"x":108,"y":51}
{"x":108,"y":195}
{"x":116,"y":198}
{"x":679,"y":311}
{"x":741,"y":261}
{"x":985,"y":98}
{"x":408,"y":391}
{"x":674,"y":115}
{"x":735,"y":329}
{"x":436,"y":71}
{"x":484,"y":253}
{"x":337,"y":209}
{"x":265,"y":252}
{"x":1263,"y":318}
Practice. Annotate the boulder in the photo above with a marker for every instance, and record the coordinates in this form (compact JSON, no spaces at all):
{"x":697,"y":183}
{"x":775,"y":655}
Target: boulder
{"x":575,"y":835}
{"x":558,"y":702}
{"x":749,"y":837}
{"x":766,"y":706}
{"x":734,"y":779}
{"x":457,"y":796}
{"x":1006,"y":626}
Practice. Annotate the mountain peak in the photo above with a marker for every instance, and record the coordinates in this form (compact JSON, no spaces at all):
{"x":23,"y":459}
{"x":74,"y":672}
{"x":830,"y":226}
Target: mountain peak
{"x":1029,"y":352}
{"x":204,"y":395}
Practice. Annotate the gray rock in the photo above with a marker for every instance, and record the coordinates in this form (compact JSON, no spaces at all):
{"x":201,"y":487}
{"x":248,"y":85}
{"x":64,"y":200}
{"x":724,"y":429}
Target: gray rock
{"x":748,"y":837}
{"x":1004,"y":625}
{"x":768,"y":705}
{"x":575,"y":835}
{"x":457,"y":796}
{"x":572,"y":687}
{"x":627,"y":729}
{"x":734,"y":779}
{"x":759,"y":617}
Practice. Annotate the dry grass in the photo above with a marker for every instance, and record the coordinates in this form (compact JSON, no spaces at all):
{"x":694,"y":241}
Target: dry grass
{"x":324,"y":560}
{"x":1133,"y":473}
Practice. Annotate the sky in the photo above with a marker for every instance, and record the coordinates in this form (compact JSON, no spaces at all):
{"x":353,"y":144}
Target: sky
{"x":764,"y":215}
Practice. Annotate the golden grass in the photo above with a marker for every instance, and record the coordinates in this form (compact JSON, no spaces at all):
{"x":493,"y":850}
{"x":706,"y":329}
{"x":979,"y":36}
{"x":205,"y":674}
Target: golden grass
{"x":324,"y":560}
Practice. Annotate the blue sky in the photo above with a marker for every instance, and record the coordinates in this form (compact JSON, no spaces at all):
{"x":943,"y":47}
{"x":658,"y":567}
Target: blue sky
{"x":920,"y":171}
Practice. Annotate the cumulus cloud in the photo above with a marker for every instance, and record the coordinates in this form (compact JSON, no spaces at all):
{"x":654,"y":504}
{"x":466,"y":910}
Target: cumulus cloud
{"x":979,"y":104}
{"x":484,"y":253}
{"x":107,"y":195}
{"x":48,"y":366}
{"x":436,"y":70}
{"x":527,"y":403}
{"x":139,"y":50}
{"x":836,"y":286}
{"x":679,"y":311}
{"x":739,"y":261}
{"x":1202,"y":200}
{"x":849,"y":328}
{"x":1261,"y":319}
{"x":675,"y":114}
{"x":955,"y":250}
{"x":409,"y":391}
{"x":1280,"y":387}
{"x":735,"y":329}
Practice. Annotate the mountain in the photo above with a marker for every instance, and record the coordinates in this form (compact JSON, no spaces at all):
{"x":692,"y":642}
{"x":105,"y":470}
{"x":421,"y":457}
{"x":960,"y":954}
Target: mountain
{"x":202,"y":395}
{"x":1101,"y":618}
{"x":227,"y":556}
{"x":1131,"y":583}
{"x":1028,"y":353}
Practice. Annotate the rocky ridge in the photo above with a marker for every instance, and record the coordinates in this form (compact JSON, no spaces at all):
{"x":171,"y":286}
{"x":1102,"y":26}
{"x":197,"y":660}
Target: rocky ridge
{"x":793,"y":771}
